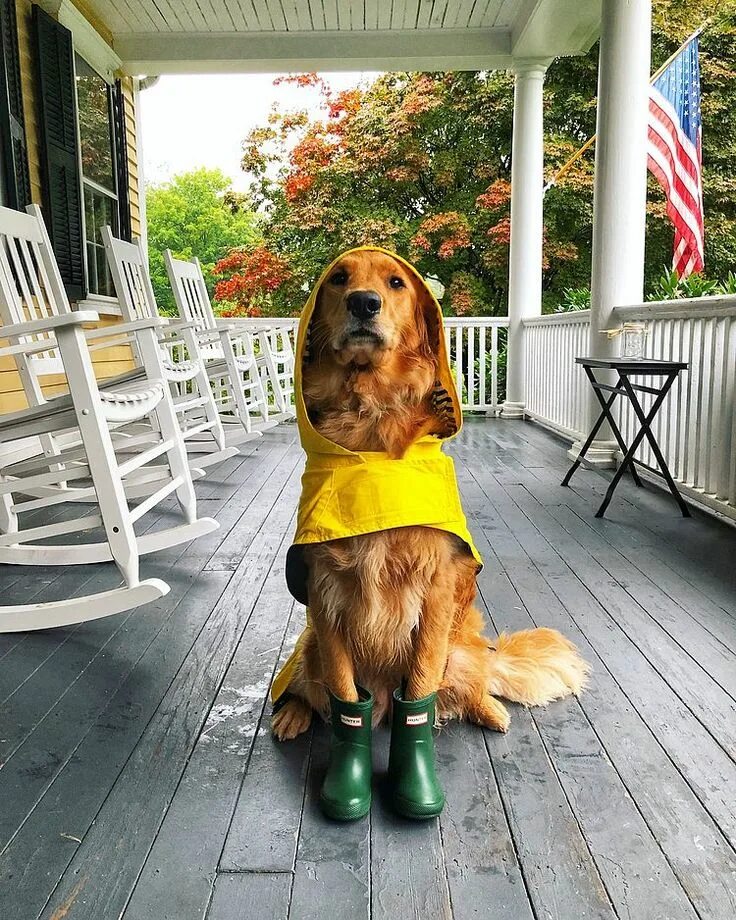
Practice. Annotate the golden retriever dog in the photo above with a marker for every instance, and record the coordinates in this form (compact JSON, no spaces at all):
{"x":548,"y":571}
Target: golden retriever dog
{"x":397,"y":605}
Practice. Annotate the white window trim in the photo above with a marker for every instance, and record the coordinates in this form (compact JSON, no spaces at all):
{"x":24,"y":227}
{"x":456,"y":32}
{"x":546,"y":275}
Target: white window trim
{"x":88,"y":42}
{"x":105,"y":306}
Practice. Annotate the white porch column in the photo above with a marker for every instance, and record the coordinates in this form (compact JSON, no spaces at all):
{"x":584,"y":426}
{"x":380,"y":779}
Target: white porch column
{"x":525,"y":256}
{"x":620,"y":196}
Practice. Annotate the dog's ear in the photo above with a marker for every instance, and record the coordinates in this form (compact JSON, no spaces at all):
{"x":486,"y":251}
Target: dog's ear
{"x":426,"y":321}
{"x":308,"y":350}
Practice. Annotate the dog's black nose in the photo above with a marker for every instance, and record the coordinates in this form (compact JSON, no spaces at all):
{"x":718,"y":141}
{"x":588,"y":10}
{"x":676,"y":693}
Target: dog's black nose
{"x":364,"y":304}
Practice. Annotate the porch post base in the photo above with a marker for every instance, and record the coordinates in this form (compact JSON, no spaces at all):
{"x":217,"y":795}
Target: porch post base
{"x":601,"y":455}
{"x":512,"y":409}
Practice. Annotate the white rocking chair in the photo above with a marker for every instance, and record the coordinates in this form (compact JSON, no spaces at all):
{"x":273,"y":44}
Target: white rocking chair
{"x":232,"y":365}
{"x":39,"y":325}
{"x":278,"y":352}
{"x":194,"y":403}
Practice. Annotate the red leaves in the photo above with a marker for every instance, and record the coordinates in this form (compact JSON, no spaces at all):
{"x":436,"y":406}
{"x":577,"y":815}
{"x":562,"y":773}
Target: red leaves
{"x":253,"y":276}
{"x":501,"y":232}
{"x":450,"y":231}
{"x":296,"y":185}
{"x":425,"y":96}
{"x":496,"y":196}
{"x":347,"y":102}
{"x":301,"y":79}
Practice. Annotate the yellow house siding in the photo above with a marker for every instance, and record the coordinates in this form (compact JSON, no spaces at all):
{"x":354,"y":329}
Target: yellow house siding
{"x":109,"y":361}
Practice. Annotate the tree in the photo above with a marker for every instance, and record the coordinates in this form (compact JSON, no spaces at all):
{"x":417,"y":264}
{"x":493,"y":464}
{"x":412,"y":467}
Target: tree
{"x":195,"y":214}
{"x":420,"y":163}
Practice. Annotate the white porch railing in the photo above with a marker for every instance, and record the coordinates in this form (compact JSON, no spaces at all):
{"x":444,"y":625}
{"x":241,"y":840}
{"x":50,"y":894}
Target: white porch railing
{"x":554,"y":383}
{"x":696,"y":427}
{"x":475,"y":344}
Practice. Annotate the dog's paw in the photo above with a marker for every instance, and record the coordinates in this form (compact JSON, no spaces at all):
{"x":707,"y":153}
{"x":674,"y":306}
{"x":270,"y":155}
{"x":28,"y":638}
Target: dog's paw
{"x":294,"y":717}
{"x":492,"y":714}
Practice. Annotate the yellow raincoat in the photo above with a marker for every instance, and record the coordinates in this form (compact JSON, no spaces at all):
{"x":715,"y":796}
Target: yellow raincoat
{"x":346,"y":493}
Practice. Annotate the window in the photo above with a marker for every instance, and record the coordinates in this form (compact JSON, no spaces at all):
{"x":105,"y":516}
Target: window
{"x":99,"y":178}
{"x":84,"y":174}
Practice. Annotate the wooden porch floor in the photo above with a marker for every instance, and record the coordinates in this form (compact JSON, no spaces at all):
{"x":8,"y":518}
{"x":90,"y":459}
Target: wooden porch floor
{"x":138,"y":778}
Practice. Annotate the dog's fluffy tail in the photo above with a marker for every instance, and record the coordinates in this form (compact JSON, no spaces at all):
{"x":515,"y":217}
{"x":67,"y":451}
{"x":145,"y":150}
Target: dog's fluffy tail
{"x":535,"y":666}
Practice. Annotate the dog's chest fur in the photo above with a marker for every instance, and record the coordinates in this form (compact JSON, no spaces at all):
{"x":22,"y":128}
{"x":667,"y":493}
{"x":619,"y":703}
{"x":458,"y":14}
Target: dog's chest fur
{"x":372,"y":589}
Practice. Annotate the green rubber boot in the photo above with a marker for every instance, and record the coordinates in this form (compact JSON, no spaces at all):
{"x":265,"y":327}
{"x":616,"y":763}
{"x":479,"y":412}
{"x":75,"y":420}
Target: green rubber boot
{"x":415,"y":789}
{"x":346,"y":791}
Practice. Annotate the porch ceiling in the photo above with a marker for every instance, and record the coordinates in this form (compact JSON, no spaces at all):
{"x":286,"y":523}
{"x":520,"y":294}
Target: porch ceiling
{"x":286,"y":35}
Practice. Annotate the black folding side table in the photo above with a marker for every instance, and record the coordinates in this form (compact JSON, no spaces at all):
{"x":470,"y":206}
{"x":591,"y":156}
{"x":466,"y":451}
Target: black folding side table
{"x":626,"y":368}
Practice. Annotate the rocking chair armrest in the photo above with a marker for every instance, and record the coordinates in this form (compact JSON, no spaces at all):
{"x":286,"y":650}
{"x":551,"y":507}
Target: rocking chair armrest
{"x":123,"y":328}
{"x":48,"y":324}
{"x":28,"y":348}
{"x":179,"y":325}
{"x":209,"y":335}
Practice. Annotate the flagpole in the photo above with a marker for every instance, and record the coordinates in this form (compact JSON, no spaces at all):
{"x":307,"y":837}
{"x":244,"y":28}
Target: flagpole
{"x":591,"y":140}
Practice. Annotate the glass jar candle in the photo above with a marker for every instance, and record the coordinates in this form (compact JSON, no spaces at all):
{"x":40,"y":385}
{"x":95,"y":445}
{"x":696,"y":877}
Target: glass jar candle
{"x":633,"y":336}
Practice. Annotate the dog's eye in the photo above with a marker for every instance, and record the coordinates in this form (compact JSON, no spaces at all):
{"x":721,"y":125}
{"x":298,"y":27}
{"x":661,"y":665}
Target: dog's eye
{"x":339,"y":278}
{"x":396,"y":282}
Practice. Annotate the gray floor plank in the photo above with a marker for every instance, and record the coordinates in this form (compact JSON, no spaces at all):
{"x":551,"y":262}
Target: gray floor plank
{"x":561,"y":876}
{"x":664,"y":798}
{"x":46,"y":843}
{"x":265,"y":827}
{"x":631,"y":863}
{"x":149,"y":775}
{"x":408,"y":874}
{"x":698,"y":691}
{"x":637,"y":549}
{"x":672,"y":812}
{"x":115,"y":847}
{"x":332,"y":871}
{"x":251,"y":896}
{"x":483,"y":870}
{"x":179,"y":872}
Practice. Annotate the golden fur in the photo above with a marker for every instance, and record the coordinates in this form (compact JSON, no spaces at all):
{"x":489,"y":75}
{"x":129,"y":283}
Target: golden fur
{"x":398,"y":604}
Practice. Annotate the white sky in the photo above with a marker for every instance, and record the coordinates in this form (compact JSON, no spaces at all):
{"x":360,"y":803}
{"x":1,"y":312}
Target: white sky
{"x":201,"y":120}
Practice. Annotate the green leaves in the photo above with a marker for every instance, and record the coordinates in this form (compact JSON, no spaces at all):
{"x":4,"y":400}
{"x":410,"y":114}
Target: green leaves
{"x":195,"y":214}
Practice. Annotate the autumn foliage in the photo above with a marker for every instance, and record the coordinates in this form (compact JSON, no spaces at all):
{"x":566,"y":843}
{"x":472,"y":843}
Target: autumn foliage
{"x":247,"y":278}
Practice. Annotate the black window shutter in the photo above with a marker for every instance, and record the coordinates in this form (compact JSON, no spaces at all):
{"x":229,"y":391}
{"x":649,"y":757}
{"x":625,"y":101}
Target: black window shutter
{"x":121,"y":161}
{"x":12,"y":124}
{"x":62,"y":186}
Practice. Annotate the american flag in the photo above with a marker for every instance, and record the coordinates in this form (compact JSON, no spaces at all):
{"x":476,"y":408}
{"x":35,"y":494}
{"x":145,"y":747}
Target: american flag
{"x":675,"y":155}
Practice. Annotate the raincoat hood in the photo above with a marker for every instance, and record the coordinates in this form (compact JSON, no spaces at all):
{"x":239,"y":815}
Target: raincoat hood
{"x":348,"y":493}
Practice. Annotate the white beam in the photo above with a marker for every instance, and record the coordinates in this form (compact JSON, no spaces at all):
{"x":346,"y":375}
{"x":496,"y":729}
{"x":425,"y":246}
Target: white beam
{"x":620,"y":195}
{"x":555,"y":27}
{"x":525,"y":256}
{"x":273,"y":52}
